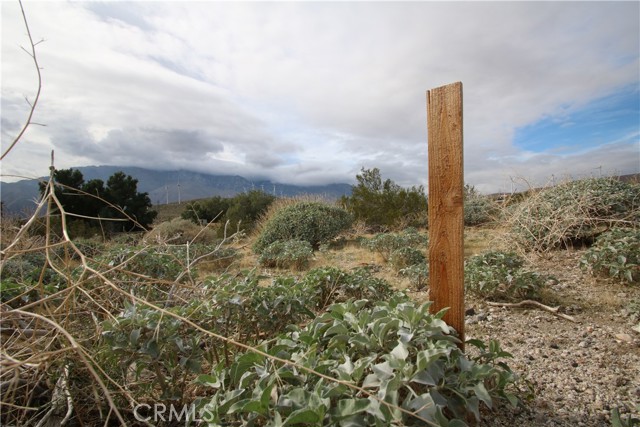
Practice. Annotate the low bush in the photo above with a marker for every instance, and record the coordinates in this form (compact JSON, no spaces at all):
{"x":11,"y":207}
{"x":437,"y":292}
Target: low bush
{"x":499,"y":276}
{"x":574,"y":213}
{"x":393,"y":364}
{"x":479,"y":210}
{"x":313,"y":222}
{"x":406,"y":257}
{"x":25,"y":277}
{"x":179,"y":232}
{"x":418,"y":274}
{"x":330,"y":284}
{"x":386,"y":243}
{"x":141,"y":343}
{"x":615,"y":254}
{"x":293,"y":254}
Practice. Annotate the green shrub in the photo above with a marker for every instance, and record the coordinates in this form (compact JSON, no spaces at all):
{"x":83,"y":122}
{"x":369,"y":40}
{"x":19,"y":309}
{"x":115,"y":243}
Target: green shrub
{"x":418,"y":274}
{"x":20,"y":277}
{"x":574,"y":213}
{"x":405,"y":358}
{"x":384,"y":205}
{"x":179,"y":232}
{"x":141,"y":343}
{"x":616,"y":254}
{"x":500,"y":276}
{"x":330,"y":284}
{"x":313,"y":222}
{"x":242,"y":210}
{"x":406,"y":257}
{"x":479,"y":210}
{"x":287,"y":254}
{"x":386,"y":243}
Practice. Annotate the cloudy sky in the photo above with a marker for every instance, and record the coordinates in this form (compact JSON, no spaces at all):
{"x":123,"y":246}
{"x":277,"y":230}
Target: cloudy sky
{"x":311,"y":92}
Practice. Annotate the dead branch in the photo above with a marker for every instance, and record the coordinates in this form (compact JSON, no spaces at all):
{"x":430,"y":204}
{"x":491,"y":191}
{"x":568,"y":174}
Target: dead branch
{"x":531,"y":303}
{"x":33,"y":104}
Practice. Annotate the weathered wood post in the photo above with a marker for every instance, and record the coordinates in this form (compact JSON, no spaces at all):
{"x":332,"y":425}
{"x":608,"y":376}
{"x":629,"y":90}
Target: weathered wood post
{"x":446,"y":203}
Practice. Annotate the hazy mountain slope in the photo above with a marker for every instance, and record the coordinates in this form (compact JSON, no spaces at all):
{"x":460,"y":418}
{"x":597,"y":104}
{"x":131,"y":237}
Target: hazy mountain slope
{"x":167,"y":186}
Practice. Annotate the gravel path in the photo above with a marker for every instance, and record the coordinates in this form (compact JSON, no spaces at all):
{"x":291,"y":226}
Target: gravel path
{"x":578,"y":371}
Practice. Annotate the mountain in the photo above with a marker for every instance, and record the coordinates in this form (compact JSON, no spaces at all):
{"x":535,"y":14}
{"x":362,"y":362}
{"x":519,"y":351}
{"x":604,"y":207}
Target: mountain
{"x":19,"y":198}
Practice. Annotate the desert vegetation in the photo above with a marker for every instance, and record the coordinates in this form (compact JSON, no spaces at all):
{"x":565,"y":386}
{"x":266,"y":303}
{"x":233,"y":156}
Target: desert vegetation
{"x":305,"y":320}
{"x":263,"y":312}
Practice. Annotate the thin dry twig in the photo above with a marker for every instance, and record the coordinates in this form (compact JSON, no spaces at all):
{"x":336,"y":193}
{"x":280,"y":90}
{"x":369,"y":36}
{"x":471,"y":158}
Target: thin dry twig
{"x":532,"y":303}
{"x":33,"y":104}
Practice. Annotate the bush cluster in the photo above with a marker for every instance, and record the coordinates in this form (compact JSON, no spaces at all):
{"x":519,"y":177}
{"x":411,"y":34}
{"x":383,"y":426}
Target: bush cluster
{"x":406,"y":359}
{"x":385,"y":244}
{"x":293,"y":254}
{"x":478,"y":209}
{"x":615,"y":254}
{"x":242,"y":210}
{"x":500,"y":276}
{"x":574,"y":212}
{"x":384,"y":204}
{"x":406,"y":257}
{"x":312,"y":222}
{"x":180,"y":231}
{"x":21,"y":275}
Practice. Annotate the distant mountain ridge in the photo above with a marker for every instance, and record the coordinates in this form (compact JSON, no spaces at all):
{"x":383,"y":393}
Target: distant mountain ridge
{"x":167,"y":187}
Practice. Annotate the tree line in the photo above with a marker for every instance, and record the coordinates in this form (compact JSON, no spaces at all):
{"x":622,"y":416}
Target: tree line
{"x":111,"y":207}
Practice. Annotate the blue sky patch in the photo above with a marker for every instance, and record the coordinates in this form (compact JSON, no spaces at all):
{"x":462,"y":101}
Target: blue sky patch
{"x":614,"y":118}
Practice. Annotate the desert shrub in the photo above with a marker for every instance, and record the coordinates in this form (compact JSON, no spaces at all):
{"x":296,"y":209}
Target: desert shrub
{"x":313,"y":222}
{"x":479,"y":210}
{"x":405,"y":358}
{"x":406,"y":257}
{"x":240,"y":307}
{"x":386,"y":243}
{"x":574,"y":212}
{"x":287,"y":254}
{"x":384,"y":205}
{"x":418,"y":274}
{"x":22,"y":275}
{"x":500,"y":276}
{"x":143,"y":343}
{"x":181,"y":231}
{"x":616,"y":254}
{"x":330,"y":284}
{"x":243,"y":209}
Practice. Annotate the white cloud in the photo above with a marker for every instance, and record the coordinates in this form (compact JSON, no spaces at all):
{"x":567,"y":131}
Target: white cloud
{"x":310,"y":92}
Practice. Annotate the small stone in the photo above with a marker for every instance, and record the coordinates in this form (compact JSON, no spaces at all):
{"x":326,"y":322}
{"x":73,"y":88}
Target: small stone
{"x":623,"y":338}
{"x":554,"y":346}
{"x":582,"y":344}
{"x":574,"y":364}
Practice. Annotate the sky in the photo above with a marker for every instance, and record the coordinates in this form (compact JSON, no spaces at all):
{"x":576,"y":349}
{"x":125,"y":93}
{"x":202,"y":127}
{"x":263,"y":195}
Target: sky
{"x":312,"y":92}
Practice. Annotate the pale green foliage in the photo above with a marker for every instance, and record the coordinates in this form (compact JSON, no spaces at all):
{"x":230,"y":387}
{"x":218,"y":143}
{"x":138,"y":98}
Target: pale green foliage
{"x":180,"y":231}
{"x":478,"y":209}
{"x":403,"y":356}
{"x":418,"y":274}
{"x":406,"y":257}
{"x":313,"y":222}
{"x":386,"y":243}
{"x":574,"y":212}
{"x":293,"y":254}
{"x":616,"y":254}
{"x":501,"y":276}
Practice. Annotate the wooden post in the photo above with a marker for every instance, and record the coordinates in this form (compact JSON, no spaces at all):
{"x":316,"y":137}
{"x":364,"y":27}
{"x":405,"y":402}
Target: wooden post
{"x":446,"y":204}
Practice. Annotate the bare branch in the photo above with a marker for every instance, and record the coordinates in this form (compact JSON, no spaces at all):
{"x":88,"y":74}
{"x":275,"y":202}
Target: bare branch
{"x":32,"y":54}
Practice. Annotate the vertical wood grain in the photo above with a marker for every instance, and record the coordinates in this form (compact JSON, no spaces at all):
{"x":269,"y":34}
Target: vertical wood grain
{"x":446,"y":203}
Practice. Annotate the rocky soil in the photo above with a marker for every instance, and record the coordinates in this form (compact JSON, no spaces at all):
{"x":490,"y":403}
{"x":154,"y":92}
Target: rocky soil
{"x":574,"y":373}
